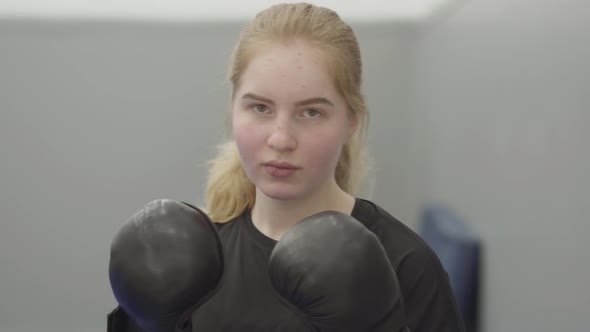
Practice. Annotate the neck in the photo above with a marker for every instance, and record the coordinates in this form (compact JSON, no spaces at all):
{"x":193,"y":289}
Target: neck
{"x":274,"y":217}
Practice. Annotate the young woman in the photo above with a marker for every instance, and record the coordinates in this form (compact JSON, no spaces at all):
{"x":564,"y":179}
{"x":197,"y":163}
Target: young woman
{"x":291,"y":248}
{"x":299,"y":121}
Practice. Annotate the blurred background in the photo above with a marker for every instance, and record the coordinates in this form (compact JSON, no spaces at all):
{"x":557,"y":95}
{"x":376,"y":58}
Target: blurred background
{"x":479,"y":106}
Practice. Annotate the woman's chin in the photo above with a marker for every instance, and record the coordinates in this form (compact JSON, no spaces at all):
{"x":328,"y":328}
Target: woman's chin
{"x":280,"y":194}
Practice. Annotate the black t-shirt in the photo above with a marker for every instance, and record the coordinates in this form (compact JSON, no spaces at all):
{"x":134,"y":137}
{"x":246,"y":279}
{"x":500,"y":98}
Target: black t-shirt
{"x":247,"y":301}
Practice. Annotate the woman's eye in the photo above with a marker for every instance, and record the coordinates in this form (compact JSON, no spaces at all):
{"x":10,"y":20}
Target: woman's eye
{"x":312,"y":113}
{"x":259,"y":108}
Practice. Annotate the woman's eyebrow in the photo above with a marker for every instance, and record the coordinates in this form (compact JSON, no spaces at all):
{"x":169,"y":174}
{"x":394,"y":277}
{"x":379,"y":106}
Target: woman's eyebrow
{"x":250,"y":95}
{"x":315,"y":100}
{"x":309,"y":101}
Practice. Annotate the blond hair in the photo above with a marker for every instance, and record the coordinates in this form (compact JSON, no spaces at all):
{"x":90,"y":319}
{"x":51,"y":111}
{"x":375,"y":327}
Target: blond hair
{"x":229,"y":191}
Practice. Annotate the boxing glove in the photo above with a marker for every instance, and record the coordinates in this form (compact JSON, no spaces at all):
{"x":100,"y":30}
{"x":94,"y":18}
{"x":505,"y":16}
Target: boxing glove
{"x":165,"y":261}
{"x":337,"y":275}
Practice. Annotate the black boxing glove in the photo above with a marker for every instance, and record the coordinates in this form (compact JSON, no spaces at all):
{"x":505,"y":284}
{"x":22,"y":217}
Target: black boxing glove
{"x":165,"y":261}
{"x":336,"y":272}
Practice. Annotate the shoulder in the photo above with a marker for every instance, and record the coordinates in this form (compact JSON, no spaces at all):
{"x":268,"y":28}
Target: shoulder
{"x":400,"y":241}
{"x":228,"y":227}
{"x":227,"y":224}
{"x":414,"y":261}
{"x":424,"y":283}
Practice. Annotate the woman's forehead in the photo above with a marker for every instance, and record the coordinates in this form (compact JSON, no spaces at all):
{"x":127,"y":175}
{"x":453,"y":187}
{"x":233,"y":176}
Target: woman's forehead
{"x":295,"y":69}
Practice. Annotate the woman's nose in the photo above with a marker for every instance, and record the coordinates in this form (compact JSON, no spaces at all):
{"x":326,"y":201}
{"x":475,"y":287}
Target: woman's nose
{"x":281,"y":137}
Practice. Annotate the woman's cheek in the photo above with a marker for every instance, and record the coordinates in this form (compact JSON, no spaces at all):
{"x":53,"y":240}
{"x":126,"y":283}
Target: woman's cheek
{"x":248,"y":138}
{"x":324,"y":149}
{"x":241,"y":126}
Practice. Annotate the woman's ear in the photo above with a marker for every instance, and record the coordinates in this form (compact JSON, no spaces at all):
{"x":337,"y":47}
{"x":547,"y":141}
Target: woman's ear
{"x":353,"y":122}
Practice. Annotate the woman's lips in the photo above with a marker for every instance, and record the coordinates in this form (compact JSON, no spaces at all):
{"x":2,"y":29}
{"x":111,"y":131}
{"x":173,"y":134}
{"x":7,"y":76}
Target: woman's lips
{"x":280,"y":169}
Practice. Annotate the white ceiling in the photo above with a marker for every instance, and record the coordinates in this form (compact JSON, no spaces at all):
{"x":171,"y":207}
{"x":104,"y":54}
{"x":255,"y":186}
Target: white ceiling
{"x":214,"y":9}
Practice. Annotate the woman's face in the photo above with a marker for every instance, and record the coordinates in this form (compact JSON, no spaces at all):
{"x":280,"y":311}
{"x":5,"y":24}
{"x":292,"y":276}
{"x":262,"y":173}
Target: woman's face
{"x":289,"y":122}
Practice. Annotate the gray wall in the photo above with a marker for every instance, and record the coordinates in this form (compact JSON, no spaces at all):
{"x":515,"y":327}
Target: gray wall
{"x":98,"y":118}
{"x":500,"y":118}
